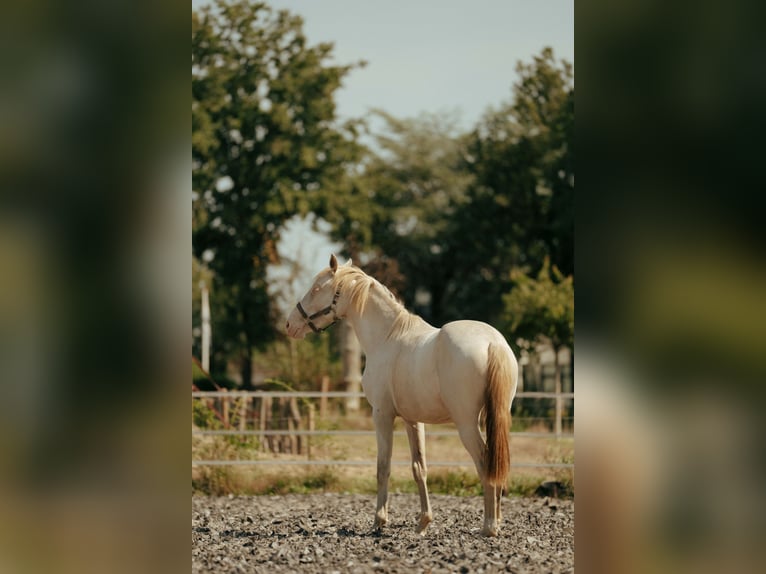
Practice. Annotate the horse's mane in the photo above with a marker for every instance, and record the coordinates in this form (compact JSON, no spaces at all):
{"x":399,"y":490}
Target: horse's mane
{"x":358,"y":285}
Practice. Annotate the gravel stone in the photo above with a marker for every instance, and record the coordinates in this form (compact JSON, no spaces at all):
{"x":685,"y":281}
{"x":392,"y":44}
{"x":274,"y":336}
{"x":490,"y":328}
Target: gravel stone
{"x":332,"y":533}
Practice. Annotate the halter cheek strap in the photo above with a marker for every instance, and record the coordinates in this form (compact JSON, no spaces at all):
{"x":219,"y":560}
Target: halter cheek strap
{"x":326,"y":311}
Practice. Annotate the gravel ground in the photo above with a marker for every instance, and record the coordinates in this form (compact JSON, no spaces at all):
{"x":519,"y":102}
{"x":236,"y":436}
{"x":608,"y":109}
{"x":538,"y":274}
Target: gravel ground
{"x":331,"y":533}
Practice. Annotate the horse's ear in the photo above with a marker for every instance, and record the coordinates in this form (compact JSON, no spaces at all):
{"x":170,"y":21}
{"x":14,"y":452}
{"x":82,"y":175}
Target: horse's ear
{"x":349,"y":263}
{"x":333,"y":263}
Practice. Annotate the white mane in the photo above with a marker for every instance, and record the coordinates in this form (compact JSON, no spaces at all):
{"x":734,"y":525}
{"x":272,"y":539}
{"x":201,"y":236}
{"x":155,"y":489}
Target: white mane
{"x":358,"y":285}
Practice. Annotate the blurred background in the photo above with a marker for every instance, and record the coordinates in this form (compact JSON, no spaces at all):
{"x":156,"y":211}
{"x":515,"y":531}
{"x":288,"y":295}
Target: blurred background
{"x":434,"y":150}
{"x":431,"y":146}
{"x":95,"y":227}
{"x":670,"y":291}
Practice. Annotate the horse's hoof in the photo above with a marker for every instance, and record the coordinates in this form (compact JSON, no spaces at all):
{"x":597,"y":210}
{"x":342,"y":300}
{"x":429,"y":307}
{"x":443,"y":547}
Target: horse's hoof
{"x":425,"y":520}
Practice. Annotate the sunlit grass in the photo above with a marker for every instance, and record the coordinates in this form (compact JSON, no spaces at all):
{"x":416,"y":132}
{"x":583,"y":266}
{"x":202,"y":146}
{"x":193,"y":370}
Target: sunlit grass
{"x":251,"y":480}
{"x":453,"y":480}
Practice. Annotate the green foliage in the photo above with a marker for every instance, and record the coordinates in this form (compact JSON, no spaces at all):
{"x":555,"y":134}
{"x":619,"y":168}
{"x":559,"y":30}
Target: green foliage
{"x":203,"y":416}
{"x":265,"y":145}
{"x":400,"y":206}
{"x":541,"y":309}
{"x":440,"y":216}
{"x":299,"y":363}
{"x":412,"y":184}
{"x":519,"y":209}
{"x":454,"y":213}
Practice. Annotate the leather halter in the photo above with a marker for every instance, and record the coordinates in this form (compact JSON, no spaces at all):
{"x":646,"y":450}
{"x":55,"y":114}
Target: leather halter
{"x":326,"y":311}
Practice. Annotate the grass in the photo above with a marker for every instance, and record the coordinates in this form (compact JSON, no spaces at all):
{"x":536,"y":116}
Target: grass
{"x":257,"y":480}
{"x":296,"y":479}
{"x":222,"y":480}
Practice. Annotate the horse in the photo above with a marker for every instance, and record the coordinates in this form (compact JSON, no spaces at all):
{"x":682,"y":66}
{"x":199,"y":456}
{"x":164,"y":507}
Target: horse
{"x":423,"y":375}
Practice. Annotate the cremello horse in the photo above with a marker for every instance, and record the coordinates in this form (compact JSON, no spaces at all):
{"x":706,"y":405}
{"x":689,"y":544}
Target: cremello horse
{"x":423,"y":375}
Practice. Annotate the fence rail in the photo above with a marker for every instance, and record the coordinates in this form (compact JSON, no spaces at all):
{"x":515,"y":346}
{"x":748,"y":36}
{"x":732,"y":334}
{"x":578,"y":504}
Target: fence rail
{"x":297,"y":434}
{"x":521,"y":434}
{"x":364,"y":463}
{"x":337,"y":394}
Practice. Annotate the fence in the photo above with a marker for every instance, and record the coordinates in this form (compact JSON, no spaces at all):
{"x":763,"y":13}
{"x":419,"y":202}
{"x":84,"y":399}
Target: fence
{"x":285,"y":423}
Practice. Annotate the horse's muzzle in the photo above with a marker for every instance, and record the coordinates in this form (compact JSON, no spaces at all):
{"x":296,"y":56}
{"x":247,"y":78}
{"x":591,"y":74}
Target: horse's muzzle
{"x":295,"y":326}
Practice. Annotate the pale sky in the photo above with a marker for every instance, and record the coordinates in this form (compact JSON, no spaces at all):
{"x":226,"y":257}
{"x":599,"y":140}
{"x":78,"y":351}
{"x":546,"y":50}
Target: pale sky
{"x":422,"y":56}
{"x":433,"y":55}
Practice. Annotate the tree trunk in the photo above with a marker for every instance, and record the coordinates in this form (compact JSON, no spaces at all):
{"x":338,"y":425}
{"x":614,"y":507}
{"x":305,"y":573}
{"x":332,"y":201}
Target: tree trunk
{"x":247,"y":368}
{"x":206,"y":332}
{"x":247,"y":339}
{"x":352,"y":364}
{"x":571,"y":365}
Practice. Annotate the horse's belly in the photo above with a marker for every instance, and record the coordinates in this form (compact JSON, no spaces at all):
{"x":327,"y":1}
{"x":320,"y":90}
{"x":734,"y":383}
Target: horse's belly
{"x":430,"y":412}
{"x":418,"y":399}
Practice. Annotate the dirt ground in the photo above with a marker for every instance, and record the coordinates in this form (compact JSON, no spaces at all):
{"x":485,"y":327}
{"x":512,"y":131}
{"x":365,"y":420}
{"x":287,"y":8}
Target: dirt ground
{"x":332,"y":533}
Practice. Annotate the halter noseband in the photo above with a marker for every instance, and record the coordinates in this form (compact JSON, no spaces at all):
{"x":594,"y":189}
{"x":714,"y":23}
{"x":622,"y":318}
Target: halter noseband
{"x":326,"y":311}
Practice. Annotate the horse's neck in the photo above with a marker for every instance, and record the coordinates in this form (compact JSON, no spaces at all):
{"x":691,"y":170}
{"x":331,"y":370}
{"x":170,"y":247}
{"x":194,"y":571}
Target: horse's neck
{"x":374,"y":324}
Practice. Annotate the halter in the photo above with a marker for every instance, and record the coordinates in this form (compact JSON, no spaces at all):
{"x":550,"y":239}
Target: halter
{"x":326,"y":311}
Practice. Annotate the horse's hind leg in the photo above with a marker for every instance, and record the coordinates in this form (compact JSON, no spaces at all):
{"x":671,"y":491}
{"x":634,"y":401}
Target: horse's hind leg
{"x":498,"y":503}
{"x":417,"y":437}
{"x":384,"y":433}
{"x":477,"y":448}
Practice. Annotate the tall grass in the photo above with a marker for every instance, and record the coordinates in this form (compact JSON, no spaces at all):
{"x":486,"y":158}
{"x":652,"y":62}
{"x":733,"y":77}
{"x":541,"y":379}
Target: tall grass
{"x":264,"y":480}
{"x":255,"y":480}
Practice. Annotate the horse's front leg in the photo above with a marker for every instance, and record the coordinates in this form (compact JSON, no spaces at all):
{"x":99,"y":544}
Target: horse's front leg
{"x":384,"y":433}
{"x":417,"y":437}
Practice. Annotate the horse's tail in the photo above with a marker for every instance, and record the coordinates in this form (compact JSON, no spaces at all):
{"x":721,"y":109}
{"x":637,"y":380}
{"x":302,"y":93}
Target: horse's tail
{"x":497,"y":408}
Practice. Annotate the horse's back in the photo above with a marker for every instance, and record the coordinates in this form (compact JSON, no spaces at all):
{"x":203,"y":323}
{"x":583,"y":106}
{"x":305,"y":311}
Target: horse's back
{"x":463,"y":348}
{"x":470,"y":340}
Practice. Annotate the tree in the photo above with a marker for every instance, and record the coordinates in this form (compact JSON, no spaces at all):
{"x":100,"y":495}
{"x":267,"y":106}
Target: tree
{"x":454,"y":213}
{"x":402,"y":203}
{"x":544,"y":107}
{"x":265,"y":146}
{"x":519,"y":207}
{"x":541,"y":310}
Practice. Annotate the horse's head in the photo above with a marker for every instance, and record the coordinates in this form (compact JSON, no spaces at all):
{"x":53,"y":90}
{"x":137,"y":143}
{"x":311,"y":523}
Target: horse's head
{"x":320,"y":307}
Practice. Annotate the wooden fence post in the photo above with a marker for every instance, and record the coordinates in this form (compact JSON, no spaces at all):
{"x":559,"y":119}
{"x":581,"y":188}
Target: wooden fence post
{"x":559,"y":402}
{"x":312,"y":424}
{"x":284,"y":423}
{"x":323,"y":398}
{"x":351,"y":354}
{"x":262,"y":424}
{"x":225,"y":409}
{"x":290,"y":436}
{"x":295,"y":415}
{"x":268,"y":407}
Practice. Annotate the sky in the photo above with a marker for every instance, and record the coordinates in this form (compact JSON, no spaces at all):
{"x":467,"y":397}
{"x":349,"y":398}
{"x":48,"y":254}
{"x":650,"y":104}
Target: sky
{"x":433,"y":55}
{"x":454,"y":56}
